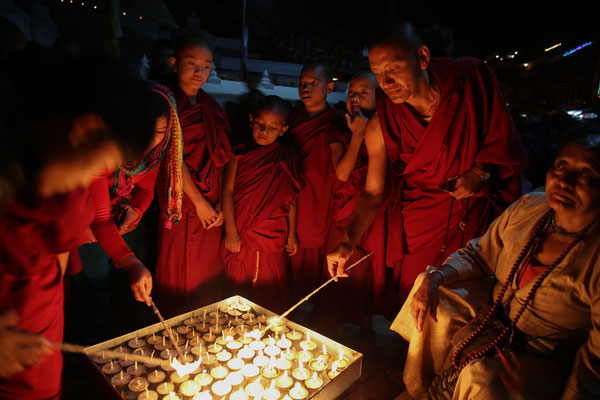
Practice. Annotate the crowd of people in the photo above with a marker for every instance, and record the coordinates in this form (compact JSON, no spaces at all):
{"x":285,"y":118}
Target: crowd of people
{"x":423,"y":170}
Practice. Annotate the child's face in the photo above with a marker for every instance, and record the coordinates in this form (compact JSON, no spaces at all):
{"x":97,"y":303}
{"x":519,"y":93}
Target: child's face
{"x":267,"y":126}
{"x":361,"y":93}
{"x":160,"y":129}
{"x":192,"y":65}
{"x":313,"y":88}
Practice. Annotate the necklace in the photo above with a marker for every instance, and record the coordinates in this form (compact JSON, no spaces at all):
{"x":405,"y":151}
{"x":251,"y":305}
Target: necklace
{"x":487,"y":317}
{"x":561,"y":232}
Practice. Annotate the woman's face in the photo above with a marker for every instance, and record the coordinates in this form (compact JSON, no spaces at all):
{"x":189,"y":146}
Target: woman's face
{"x":573,"y":183}
{"x":160,"y":129}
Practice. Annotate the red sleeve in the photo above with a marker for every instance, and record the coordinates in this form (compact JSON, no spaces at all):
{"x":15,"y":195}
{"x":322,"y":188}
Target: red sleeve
{"x":103,"y":226}
{"x":143,"y":192}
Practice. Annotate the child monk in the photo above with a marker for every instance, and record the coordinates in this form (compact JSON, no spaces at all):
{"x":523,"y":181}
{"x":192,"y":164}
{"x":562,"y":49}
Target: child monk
{"x":350,"y":300}
{"x":188,"y":265}
{"x":319,"y":134}
{"x":260,"y":186}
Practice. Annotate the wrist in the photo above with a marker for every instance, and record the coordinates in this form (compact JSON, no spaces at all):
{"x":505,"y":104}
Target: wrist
{"x":437,"y":277}
{"x":481,"y":173}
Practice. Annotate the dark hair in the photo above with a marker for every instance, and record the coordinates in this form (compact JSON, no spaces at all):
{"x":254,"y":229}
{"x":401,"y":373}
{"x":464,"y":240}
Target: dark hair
{"x":191,"y":40}
{"x":316,"y":65}
{"x":274,"y":103}
{"x":397,"y":33}
{"x":159,"y":106}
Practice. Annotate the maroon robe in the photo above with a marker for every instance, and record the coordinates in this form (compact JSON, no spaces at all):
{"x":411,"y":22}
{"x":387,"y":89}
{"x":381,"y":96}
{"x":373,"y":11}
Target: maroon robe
{"x":188,"y":267}
{"x":267,"y":181}
{"x":315,"y":204}
{"x":472,"y":124}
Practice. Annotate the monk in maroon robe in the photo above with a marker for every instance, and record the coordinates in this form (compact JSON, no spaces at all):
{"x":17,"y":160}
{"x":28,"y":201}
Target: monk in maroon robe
{"x":318,"y":132}
{"x":454,"y":154}
{"x":189,"y":266}
{"x":260,"y":187}
{"x":352,"y":300}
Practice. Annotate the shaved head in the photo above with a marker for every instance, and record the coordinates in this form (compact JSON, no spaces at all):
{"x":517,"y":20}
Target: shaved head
{"x":365,"y":74}
{"x":315,"y":66}
{"x":191,"y":40}
{"x":273,"y":103}
{"x":396,"y":33}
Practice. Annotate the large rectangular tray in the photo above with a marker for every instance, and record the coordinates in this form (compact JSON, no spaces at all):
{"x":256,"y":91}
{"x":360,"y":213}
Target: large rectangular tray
{"x":328,"y":391}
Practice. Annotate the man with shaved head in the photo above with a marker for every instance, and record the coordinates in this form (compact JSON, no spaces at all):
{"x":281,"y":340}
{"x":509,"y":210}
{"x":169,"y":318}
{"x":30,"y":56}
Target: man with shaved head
{"x":443,"y":129}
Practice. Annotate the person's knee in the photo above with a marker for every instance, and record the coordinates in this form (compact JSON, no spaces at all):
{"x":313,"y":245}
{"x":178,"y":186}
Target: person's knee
{"x":480,"y":379}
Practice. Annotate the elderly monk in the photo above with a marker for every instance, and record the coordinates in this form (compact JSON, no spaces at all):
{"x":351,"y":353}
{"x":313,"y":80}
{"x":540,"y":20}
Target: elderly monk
{"x":453,"y":151}
{"x":544,"y":251}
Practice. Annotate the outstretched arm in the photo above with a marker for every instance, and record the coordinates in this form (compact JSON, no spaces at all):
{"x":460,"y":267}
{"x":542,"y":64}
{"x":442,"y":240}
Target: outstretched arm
{"x":369,"y":200}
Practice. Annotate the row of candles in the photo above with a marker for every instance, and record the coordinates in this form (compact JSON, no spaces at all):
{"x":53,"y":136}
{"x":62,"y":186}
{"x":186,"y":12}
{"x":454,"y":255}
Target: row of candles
{"x":242,"y":368}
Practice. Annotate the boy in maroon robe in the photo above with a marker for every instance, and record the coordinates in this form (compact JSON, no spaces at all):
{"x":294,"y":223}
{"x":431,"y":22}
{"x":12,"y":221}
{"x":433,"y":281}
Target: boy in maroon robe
{"x":353,"y":300}
{"x":260,"y":186}
{"x":454,"y":154}
{"x":318,"y":132}
{"x":189,"y":266}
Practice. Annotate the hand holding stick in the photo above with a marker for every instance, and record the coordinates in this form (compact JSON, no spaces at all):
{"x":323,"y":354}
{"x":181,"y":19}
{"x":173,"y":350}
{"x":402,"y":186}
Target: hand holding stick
{"x":285,"y":314}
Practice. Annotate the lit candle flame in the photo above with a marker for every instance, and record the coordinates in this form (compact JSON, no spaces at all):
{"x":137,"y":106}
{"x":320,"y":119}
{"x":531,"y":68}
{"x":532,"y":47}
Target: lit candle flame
{"x":334,"y":367}
{"x":229,"y":338}
{"x":341,"y":357}
{"x":324,"y":350}
{"x":314,"y":377}
{"x":187,"y":368}
{"x":301,"y":366}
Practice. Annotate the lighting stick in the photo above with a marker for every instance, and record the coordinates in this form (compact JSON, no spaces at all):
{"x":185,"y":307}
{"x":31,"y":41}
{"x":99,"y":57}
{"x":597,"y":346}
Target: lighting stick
{"x":75,"y":348}
{"x":162,"y":320}
{"x":313,"y":293}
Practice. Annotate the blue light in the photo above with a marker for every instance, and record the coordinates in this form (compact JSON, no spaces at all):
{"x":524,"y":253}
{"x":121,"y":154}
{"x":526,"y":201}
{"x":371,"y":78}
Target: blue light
{"x":581,"y":46}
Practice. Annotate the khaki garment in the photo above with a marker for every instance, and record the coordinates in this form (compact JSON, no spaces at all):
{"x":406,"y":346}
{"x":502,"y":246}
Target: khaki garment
{"x":565,"y":310}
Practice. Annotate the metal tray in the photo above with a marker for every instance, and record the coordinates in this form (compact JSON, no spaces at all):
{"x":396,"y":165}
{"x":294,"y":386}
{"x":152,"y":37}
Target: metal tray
{"x":331,"y":389}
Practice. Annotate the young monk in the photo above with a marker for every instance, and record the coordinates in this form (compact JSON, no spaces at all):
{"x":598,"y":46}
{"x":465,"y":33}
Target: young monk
{"x":59,"y":139}
{"x":260,"y":186}
{"x":319,"y":133}
{"x":188,"y":265}
{"x":350,"y":301}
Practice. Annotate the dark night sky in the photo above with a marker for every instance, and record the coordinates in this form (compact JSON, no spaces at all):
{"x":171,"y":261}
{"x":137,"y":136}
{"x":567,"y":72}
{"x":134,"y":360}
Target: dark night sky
{"x":478,"y":31}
